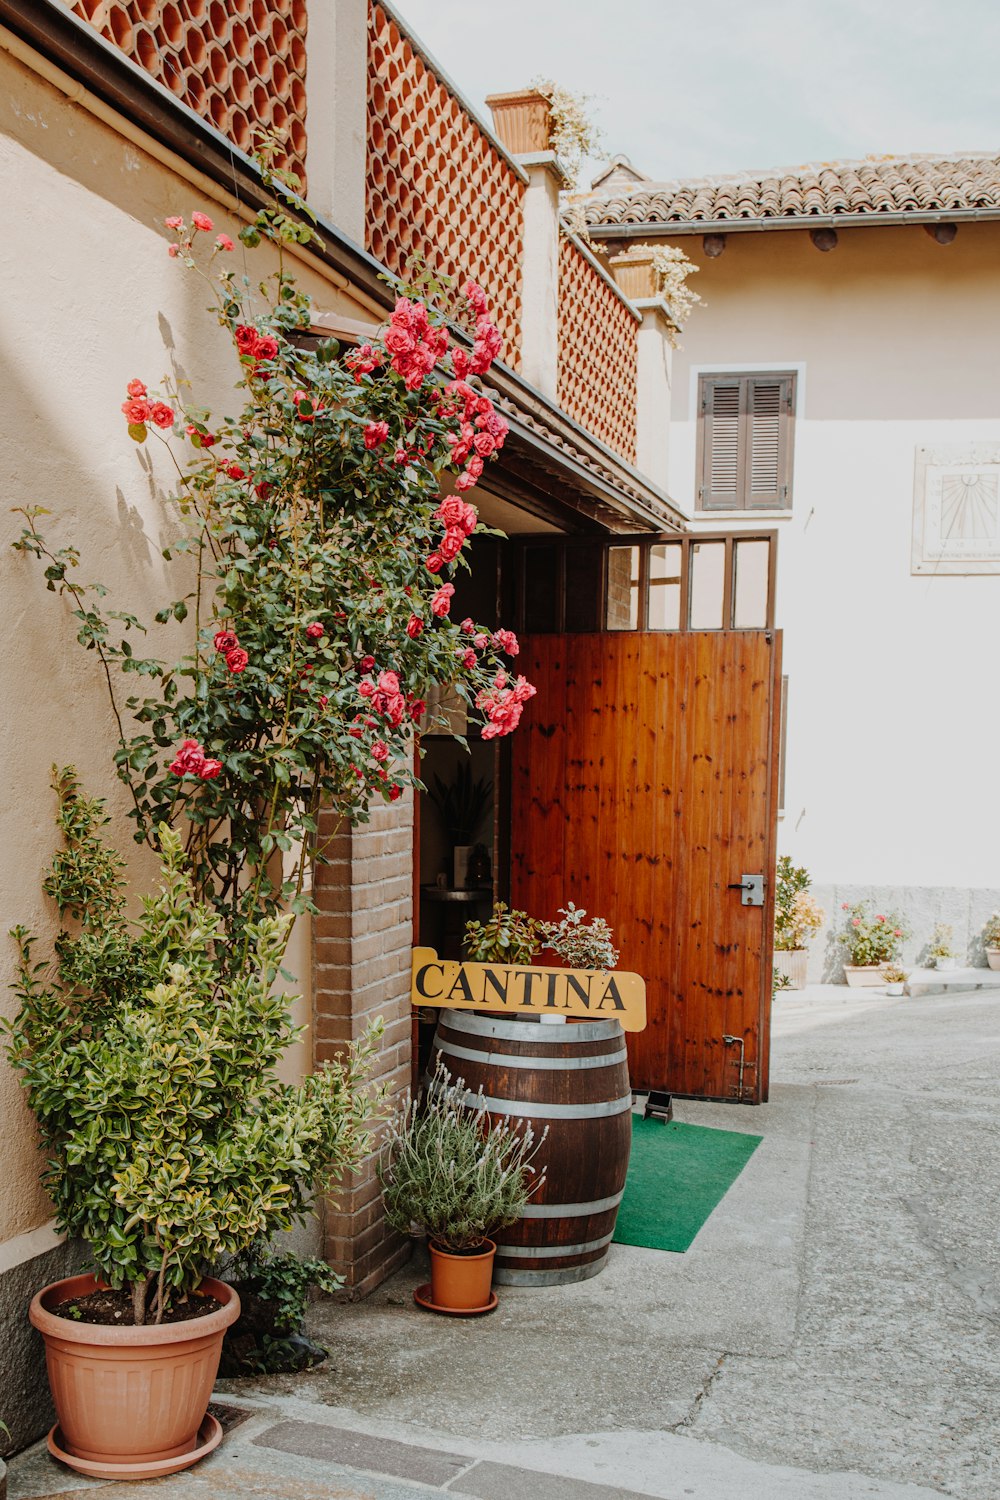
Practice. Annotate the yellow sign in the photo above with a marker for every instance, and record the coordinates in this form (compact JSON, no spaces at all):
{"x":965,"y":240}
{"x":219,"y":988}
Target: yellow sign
{"x":523,"y":989}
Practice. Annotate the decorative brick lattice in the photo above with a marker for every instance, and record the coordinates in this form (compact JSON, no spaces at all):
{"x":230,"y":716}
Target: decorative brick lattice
{"x":239,"y":63}
{"x":597,"y":353}
{"x":437,"y":185}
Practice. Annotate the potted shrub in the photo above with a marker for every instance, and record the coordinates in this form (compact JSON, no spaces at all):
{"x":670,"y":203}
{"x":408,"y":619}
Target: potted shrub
{"x":797,"y":918}
{"x":941,"y":951}
{"x":148,"y":1055}
{"x":446,"y":1170}
{"x":506,"y":937}
{"x":871,"y":939}
{"x":991,"y":940}
{"x":895,"y":979}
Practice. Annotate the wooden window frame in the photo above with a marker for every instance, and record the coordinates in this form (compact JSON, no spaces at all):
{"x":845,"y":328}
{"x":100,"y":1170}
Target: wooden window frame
{"x":742,"y":504}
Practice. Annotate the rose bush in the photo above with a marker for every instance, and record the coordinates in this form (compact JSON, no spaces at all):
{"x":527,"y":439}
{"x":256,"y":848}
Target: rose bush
{"x":871,"y":937}
{"x":318,"y":554}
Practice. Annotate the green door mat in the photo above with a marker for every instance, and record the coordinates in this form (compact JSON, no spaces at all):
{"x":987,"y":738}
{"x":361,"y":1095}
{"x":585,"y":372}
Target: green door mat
{"x":676,"y":1176}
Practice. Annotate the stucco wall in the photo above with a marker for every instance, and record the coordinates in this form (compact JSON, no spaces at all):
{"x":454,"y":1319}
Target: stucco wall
{"x":892,"y":721}
{"x":91,"y":300}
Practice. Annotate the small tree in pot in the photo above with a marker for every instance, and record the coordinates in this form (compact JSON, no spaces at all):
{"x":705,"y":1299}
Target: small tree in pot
{"x":445,"y":1169}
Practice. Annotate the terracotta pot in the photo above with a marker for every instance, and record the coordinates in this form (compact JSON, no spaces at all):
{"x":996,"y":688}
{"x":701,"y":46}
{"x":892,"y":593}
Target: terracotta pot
{"x":863,"y":976}
{"x":993,"y":957}
{"x":522,"y":120}
{"x":792,"y":963}
{"x":461,"y":1281}
{"x":128,"y":1395}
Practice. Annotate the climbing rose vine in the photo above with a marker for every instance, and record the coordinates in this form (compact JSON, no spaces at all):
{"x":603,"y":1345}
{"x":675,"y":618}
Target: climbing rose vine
{"x":317,"y":549}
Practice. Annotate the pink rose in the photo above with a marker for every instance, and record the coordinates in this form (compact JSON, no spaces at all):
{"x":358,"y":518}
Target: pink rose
{"x":367,"y":689}
{"x":414,"y":627}
{"x":174,"y":222}
{"x":173,"y":251}
{"x":380,"y":751}
{"x":417,"y":707}
{"x":162,"y":414}
{"x":205,"y":439}
{"x":435,"y":563}
{"x":225,"y":640}
{"x":136,"y":410}
{"x":855,"y":921}
{"x":506,"y":641}
{"x":468,"y":625}
{"x":480,"y":641}
{"x":464,"y":482}
{"x":315,"y":630}
{"x":188,"y":760}
{"x":224,"y":242}
{"x":451,"y":544}
{"x":376,"y":433}
{"x":468,"y":658}
{"x":202,"y":221}
{"x":236,"y":659}
{"x":441,"y":600}
{"x":136,"y":389}
{"x":210,"y":769}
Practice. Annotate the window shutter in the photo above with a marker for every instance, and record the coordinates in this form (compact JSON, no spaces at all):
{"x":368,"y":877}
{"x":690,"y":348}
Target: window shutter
{"x":766,"y":442}
{"x":723,"y":458}
{"x":745,"y":442}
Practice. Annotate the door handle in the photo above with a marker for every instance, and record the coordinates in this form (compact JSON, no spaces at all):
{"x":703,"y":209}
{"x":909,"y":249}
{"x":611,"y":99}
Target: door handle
{"x":752,"y":887}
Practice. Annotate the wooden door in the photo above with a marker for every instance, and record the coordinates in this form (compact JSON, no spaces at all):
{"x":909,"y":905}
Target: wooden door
{"x":643,"y":788}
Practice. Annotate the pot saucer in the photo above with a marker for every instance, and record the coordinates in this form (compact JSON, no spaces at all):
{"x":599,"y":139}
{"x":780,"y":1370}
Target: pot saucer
{"x":422,"y":1297}
{"x":209,"y":1437}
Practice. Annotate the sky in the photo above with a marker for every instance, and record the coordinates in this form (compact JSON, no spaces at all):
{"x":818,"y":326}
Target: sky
{"x":686,"y":87}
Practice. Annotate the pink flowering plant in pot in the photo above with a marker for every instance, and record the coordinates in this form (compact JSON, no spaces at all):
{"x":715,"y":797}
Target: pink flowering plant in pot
{"x":317,"y":555}
{"x":870,"y":939}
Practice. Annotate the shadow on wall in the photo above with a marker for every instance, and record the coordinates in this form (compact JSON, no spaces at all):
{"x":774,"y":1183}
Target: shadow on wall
{"x":964,"y":909}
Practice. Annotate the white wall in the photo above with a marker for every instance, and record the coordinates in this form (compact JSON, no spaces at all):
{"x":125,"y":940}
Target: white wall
{"x":892,"y":721}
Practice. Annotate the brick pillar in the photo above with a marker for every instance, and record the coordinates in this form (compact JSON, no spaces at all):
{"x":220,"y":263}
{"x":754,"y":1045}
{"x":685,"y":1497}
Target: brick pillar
{"x":361,"y":969}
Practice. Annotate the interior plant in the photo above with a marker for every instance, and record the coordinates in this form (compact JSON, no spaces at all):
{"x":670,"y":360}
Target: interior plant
{"x":447,"y":1169}
{"x":991,"y":940}
{"x":269,"y":1337}
{"x":149,"y":1061}
{"x":798,"y":916}
{"x":870,"y":939}
{"x":506,"y":937}
{"x":941,"y":950}
{"x":462,"y":803}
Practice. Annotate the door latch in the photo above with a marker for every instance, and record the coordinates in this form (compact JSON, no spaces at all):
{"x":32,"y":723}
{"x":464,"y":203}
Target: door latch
{"x":752,"y":887}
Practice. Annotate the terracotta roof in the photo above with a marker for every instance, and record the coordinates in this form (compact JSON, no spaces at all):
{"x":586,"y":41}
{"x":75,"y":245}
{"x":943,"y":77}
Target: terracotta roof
{"x":869,"y":191}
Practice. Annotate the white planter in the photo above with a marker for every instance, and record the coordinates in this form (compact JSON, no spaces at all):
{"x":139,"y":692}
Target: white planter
{"x":946,"y":963}
{"x":863,"y":976}
{"x":993,"y":957}
{"x":895,"y":989}
{"x":792,"y":963}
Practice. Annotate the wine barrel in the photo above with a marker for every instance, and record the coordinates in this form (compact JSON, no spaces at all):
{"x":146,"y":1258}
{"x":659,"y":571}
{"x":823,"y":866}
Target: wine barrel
{"x":572,"y":1079}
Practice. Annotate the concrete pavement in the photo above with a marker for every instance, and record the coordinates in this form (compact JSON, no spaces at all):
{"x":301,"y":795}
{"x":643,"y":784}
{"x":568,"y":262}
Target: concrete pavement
{"x":830,"y":1335}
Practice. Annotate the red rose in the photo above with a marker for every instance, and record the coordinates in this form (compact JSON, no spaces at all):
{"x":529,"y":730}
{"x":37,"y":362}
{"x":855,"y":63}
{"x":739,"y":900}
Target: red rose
{"x":417,"y":707}
{"x":205,"y":439}
{"x":366,"y":664}
{"x":135,"y":389}
{"x":395,"y":792}
{"x":380,"y":751}
{"x":136,"y":410}
{"x":202,"y":221}
{"x":323,"y":700}
{"x":435,"y":563}
{"x":225,"y":640}
{"x":315,"y":630}
{"x":441,"y":601}
{"x":414,"y":627}
{"x":376,"y":433}
{"x":468,"y":659}
{"x":265,"y":347}
{"x":162,"y":414}
{"x":246,"y":338}
{"x":210,"y":769}
{"x":236,"y":659}
{"x":234,"y":471}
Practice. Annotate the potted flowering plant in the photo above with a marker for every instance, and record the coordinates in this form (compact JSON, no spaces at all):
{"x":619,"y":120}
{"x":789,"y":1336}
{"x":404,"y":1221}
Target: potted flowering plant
{"x":316,"y":557}
{"x":871,"y":939}
{"x":797,"y":918}
{"x":991,"y":940}
{"x":447,"y":1170}
{"x":941,"y":951}
{"x":895,"y":979}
